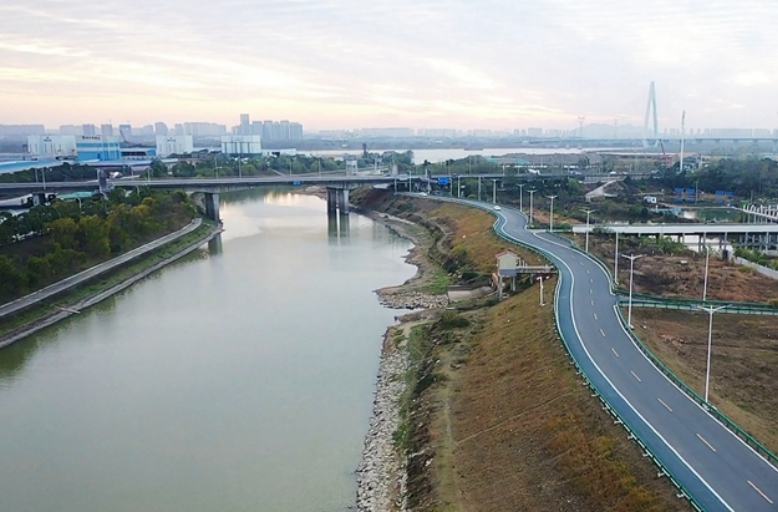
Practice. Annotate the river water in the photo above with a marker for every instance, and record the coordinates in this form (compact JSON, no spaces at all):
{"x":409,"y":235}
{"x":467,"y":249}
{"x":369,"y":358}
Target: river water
{"x":238,"y":379}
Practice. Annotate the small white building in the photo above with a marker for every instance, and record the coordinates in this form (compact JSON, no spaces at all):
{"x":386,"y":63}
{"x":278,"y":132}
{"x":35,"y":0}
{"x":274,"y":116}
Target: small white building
{"x":52,"y":145}
{"x":650,"y":199}
{"x":174,"y":145}
{"x":241,"y":145}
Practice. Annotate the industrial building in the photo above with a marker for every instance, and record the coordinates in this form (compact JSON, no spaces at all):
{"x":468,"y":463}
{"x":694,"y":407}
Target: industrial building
{"x":174,"y":145}
{"x":241,"y":145}
{"x":78,"y":147}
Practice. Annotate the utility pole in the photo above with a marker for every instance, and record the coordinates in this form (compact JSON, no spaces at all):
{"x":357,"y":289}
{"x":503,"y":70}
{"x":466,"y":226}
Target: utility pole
{"x":551,"y":216}
{"x":531,"y":195}
{"x":588,"y":211}
{"x":494,"y":191}
{"x":521,"y":198}
{"x":479,"y":188}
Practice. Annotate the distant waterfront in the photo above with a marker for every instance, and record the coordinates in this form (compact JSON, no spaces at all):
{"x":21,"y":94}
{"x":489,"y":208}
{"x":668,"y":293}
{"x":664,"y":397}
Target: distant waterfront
{"x":441,"y":155}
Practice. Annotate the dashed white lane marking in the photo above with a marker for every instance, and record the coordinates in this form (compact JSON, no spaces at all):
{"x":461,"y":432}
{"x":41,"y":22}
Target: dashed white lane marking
{"x":757,"y":489}
{"x":614,"y":352}
{"x":602,"y":332}
{"x":663,"y":403}
{"x":592,"y":302}
{"x":706,"y":442}
{"x":595,"y":316}
{"x":635,"y":375}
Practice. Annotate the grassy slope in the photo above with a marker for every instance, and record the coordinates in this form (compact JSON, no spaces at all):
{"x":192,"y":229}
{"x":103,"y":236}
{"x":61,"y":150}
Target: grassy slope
{"x":499,"y":420}
{"x":743,"y":362}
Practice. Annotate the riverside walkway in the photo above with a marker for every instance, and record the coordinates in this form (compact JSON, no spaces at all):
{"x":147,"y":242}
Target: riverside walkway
{"x":81,"y":277}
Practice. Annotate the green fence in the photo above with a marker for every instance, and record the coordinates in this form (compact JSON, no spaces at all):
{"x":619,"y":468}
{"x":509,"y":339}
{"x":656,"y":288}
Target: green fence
{"x":723,"y":418}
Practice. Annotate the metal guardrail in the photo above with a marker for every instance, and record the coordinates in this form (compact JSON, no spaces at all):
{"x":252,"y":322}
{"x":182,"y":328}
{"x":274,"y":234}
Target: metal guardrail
{"x":720,"y":416}
{"x":733,"y":308}
{"x":498,"y":228}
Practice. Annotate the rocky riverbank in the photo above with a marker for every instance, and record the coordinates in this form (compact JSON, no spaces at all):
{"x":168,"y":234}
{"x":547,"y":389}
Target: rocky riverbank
{"x":381,"y":474}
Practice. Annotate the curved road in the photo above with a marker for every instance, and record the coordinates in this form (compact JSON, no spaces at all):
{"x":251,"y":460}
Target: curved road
{"x":716,"y":467}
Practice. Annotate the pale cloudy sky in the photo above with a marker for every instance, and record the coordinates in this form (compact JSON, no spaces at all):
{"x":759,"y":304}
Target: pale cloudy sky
{"x":418,"y":63}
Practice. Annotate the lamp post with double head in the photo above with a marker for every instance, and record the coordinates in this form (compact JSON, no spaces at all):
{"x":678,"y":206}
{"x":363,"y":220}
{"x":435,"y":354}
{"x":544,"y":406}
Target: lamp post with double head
{"x":540,"y":280}
{"x":711,"y":310}
{"x":588,"y":212}
{"x":551,"y":214}
{"x":631,"y":258}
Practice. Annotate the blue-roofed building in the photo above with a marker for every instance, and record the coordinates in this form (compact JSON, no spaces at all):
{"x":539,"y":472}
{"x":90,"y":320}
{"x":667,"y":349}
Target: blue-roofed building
{"x":98,"y":147}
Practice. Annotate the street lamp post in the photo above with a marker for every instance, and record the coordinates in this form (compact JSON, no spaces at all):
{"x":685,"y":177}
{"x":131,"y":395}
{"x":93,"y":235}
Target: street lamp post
{"x":551,"y":216}
{"x":459,"y":187}
{"x":540,"y":280}
{"x":710,"y":311}
{"x":631,"y":258}
{"x":616,"y":261}
{"x":588,"y":211}
{"x":521,"y":197}
{"x":494,"y":191}
{"x":531,"y":195}
{"x":705,"y":279}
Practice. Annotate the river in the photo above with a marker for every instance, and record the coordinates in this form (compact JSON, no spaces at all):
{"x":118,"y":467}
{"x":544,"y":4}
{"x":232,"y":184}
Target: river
{"x":238,"y":379}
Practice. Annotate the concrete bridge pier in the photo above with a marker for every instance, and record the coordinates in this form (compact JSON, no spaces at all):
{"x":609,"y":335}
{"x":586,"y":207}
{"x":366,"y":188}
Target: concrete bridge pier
{"x":332,"y":201}
{"x":39,"y":199}
{"x":337,"y":199}
{"x":211,"y":202}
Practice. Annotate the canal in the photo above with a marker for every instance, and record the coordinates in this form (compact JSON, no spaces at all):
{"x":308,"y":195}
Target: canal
{"x":238,"y":379}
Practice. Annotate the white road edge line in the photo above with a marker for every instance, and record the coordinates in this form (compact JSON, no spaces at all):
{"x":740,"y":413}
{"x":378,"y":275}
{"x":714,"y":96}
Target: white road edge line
{"x":616,"y":390}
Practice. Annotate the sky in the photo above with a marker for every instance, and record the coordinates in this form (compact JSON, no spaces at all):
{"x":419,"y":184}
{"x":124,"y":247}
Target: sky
{"x":342,"y":64}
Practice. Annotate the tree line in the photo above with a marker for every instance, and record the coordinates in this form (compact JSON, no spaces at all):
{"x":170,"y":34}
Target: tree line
{"x":50,"y":242}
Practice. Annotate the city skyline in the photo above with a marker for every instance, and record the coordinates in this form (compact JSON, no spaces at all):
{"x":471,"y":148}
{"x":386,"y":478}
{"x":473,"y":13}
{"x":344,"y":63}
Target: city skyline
{"x":342,"y":64}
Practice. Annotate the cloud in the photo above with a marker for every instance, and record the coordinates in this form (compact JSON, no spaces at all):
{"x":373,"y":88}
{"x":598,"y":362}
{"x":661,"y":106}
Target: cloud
{"x":340,"y":63}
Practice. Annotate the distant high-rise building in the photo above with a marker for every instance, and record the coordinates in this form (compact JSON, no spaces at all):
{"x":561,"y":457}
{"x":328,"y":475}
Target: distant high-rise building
{"x":160,"y":128}
{"x":22,"y":129}
{"x":267,"y":130}
{"x":245,"y":125}
{"x":106,"y":130}
{"x":69,"y":129}
{"x":256,"y":128}
{"x":296,"y":131}
{"x":89,"y":130}
{"x":283,"y":130}
{"x":178,"y":129}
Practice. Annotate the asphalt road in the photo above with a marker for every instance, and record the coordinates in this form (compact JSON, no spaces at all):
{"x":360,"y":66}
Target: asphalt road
{"x":714,"y":465}
{"x":60,"y":286}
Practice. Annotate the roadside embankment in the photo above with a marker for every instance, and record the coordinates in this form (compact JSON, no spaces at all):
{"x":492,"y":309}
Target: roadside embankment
{"x":86,"y":293}
{"x":491,"y":415}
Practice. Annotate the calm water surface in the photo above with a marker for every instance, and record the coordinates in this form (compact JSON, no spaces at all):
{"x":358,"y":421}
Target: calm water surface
{"x":240,"y":379}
